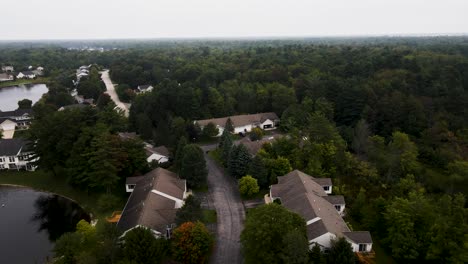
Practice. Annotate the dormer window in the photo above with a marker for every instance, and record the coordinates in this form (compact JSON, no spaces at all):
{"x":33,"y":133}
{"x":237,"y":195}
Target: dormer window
{"x":326,"y":188}
{"x":338,"y":207}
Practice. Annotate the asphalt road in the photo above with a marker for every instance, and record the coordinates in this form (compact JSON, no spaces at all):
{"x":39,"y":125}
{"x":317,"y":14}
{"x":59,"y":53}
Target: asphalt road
{"x":230,"y":211}
{"x":111,"y":92}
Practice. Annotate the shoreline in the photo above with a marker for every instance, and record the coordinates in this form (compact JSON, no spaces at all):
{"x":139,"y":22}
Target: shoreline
{"x":48,"y":192}
{"x":41,"y":80}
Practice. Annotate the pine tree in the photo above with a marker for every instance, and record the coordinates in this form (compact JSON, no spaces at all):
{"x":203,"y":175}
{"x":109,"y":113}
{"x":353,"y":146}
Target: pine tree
{"x":193,"y":166}
{"x":229,"y":126}
{"x":179,"y":152}
{"x":225,"y":146}
{"x":259,"y":171}
{"x":239,"y":161}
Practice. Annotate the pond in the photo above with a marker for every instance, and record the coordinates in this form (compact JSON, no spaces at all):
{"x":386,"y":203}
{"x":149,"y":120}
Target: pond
{"x":9,"y":96}
{"x":30,"y":222}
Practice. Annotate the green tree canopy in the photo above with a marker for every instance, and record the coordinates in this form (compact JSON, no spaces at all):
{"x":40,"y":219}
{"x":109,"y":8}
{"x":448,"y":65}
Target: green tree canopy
{"x":267,"y":237}
{"x":193,"y":166}
{"x":141,"y":246}
{"x":248,"y":186}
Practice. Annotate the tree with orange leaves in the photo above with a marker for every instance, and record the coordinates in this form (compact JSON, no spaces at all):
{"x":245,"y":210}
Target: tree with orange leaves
{"x":191,"y":243}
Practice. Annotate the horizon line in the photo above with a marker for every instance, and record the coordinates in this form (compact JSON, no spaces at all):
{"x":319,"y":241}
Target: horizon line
{"x":246,"y":37}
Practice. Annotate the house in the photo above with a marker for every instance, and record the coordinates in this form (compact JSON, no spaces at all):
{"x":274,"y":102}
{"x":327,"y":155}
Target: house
{"x":127,"y":135}
{"x":22,"y":117}
{"x":244,"y":123}
{"x":5,"y":77}
{"x":8,"y":68}
{"x":7,"y":127}
{"x":73,"y":106}
{"x":159,"y":154}
{"x":253,"y":147}
{"x":26,"y":75}
{"x":15,"y":155}
{"x":308,"y":197}
{"x":153,"y":202}
{"x":145,"y":88}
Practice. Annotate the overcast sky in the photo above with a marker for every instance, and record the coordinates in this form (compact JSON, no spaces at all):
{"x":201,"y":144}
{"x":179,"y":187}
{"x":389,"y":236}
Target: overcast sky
{"x":90,"y":19}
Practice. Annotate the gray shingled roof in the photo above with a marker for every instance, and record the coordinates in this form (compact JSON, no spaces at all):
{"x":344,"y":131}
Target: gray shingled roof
{"x":359,"y":237}
{"x":150,"y":209}
{"x":335,"y":199}
{"x":12,"y":147}
{"x":162,"y":150}
{"x":17,"y":112}
{"x":316,"y":229}
{"x":133,"y":180}
{"x":323,"y":181}
{"x":302,"y":194}
{"x":240,"y":120}
{"x":253,"y":146}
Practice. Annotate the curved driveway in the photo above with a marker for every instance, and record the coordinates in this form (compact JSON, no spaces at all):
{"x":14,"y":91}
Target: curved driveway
{"x":230,"y":212}
{"x":112,"y":93}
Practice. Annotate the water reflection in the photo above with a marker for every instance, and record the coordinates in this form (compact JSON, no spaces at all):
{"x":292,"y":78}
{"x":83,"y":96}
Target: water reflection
{"x":57,"y":215}
{"x":9,"y":96}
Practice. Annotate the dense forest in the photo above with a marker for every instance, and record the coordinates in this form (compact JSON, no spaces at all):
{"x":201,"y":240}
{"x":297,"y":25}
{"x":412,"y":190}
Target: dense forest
{"x":387,"y":119}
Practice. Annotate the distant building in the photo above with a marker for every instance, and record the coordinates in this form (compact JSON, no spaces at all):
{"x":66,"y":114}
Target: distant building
{"x":145,"y":88}
{"x":15,"y":155}
{"x":8,"y":68}
{"x":244,"y":123}
{"x":309,"y":197}
{"x":158,"y":154}
{"x":154,"y":201}
{"x":22,"y":117}
{"x":26,"y":75}
{"x":73,"y":106}
{"x":5,"y":77}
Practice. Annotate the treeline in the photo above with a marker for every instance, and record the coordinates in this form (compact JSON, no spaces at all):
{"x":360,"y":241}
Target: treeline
{"x":81,"y":144}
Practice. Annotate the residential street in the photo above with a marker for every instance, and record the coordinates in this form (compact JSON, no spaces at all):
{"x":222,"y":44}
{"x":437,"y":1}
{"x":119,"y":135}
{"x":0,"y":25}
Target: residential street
{"x":230,"y":210}
{"x":111,"y":91}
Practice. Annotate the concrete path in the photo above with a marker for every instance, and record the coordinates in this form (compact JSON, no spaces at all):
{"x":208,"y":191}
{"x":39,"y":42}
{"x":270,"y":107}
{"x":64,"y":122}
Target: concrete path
{"x":112,"y":93}
{"x":230,"y":212}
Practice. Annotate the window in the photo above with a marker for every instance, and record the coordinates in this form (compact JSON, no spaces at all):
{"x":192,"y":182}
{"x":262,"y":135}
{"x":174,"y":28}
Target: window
{"x":131,"y":186}
{"x":326,"y":188}
{"x":2,"y":160}
{"x":362,"y":247}
{"x":2,"y":166}
{"x":338,"y":207}
{"x":12,"y":159}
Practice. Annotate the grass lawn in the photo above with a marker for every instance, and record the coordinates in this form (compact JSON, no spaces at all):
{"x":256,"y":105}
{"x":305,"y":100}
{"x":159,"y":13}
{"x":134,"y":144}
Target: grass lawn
{"x":207,"y":140}
{"x":44,"y":181}
{"x":258,"y":195}
{"x":216,"y":156}
{"x":24,"y":81}
{"x":209,"y":216}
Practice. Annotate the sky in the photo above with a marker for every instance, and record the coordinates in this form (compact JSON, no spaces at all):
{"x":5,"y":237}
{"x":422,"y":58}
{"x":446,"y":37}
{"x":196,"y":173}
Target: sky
{"x":117,"y":19}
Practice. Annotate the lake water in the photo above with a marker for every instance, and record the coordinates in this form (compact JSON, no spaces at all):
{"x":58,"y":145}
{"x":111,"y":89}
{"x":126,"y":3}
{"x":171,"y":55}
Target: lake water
{"x":30,"y":222}
{"x":9,"y":96}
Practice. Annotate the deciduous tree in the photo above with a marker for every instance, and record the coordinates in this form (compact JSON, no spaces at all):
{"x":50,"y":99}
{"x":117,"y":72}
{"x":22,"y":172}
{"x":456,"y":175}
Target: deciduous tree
{"x":191,"y":243}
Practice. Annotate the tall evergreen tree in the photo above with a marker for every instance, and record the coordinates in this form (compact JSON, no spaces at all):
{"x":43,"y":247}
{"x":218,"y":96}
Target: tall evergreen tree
{"x":180,"y":152}
{"x":259,"y":171}
{"x":193,"y":166}
{"x":229,"y":126}
{"x":239,"y":161}
{"x":225,"y":146}
{"x":341,"y":252}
